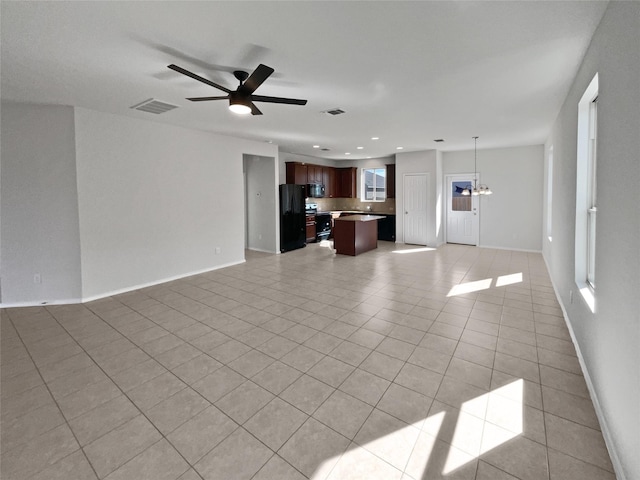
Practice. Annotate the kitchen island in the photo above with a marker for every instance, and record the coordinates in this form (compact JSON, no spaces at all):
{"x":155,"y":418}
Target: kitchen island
{"x":355,"y":234}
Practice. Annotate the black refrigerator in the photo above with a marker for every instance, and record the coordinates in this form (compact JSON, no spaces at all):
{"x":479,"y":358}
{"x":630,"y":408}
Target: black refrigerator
{"x":292,"y":217}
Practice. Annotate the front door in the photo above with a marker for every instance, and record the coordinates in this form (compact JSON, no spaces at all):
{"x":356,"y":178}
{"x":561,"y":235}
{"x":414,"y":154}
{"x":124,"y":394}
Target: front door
{"x":462,"y":211}
{"x":415,"y":208}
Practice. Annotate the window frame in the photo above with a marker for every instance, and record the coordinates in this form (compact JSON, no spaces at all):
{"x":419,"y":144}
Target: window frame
{"x":592,"y":193}
{"x":550,"y":194}
{"x":376,"y":189}
{"x":586,"y":189}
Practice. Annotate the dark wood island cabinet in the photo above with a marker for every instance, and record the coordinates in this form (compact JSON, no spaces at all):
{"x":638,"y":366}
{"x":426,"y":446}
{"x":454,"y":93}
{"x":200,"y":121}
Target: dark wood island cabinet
{"x":355,"y":234}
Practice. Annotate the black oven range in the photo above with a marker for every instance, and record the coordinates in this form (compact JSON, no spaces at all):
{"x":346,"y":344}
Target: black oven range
{"x":323,"y":221}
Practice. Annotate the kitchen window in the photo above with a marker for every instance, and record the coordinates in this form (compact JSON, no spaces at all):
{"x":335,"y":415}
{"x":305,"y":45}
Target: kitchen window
{"x":374,"y":182}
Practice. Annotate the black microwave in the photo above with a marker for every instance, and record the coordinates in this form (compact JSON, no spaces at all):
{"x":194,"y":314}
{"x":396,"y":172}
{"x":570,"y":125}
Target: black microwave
{"x":315,"y":190}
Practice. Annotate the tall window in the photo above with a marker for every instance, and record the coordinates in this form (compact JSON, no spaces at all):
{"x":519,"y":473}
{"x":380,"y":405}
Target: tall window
{"x":586,"y":190}
{"x":591,"y":194}
{"x":373,"y":184}
{"x":550,"y":194}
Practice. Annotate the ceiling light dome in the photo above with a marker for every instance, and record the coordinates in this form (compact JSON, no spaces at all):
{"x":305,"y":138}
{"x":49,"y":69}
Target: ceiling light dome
{"x":239,"y":104}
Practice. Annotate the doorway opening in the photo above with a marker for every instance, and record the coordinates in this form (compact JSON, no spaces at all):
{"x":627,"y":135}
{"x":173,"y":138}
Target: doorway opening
{"x":260,"y":203}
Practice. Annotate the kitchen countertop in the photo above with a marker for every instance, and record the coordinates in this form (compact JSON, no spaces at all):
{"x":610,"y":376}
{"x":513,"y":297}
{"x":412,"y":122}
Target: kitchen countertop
{"x":357,"y":212}
{"x":360,"y":218}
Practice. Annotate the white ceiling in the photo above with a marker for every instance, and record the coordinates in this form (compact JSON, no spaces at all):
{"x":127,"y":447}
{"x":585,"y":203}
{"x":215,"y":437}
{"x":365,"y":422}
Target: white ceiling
{"x":407,"y":72}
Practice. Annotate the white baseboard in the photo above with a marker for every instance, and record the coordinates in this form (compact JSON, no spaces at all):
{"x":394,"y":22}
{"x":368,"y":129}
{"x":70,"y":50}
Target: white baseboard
{"x":261,"y":250}
{"x":525,"y":250}
{"x":68,"y":301}
{"x":120,"y":290}
{"x":604,"y":427}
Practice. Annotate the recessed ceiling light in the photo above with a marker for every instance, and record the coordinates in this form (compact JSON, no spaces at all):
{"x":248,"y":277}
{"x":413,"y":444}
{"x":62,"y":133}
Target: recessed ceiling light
{"x":359,"y":148}
{"x":399,"y":148}
{"x":316,"y":146}
{"x":347,"y":153}
{"x":375,"y":138}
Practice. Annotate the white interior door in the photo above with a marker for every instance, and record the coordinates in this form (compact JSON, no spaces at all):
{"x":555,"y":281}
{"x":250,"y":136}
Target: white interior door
{"x":415,"y":208}
{"x":462,"y":211}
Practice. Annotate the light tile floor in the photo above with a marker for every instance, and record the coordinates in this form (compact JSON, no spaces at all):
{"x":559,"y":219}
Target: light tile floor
{"x":451,"y":363}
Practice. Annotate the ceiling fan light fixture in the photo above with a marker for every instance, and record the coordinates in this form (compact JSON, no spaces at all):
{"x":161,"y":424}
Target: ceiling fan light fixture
{"x":239,"y":104}
{"x":239,"y":109}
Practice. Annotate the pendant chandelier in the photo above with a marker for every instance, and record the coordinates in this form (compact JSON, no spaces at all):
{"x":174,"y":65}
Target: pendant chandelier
{"x":476,"y":189}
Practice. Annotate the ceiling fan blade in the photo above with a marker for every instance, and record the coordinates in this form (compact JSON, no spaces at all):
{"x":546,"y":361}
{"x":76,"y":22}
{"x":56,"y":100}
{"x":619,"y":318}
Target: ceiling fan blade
{"x":197,"y":77}
{"x":256,"y":79}
{"x":206,"y":99}
{"x":288,"y":101}
{"x":255,"y":110}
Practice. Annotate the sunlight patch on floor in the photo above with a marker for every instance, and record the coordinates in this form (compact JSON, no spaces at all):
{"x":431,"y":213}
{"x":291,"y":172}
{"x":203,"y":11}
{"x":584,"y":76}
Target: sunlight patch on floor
{"x":483,"y":423}
{"x":502,"y":421}
{"x":326,"y":243}
{"x":509,"y":279}
{"x":469,"y":287}
{"x":415,"y":250}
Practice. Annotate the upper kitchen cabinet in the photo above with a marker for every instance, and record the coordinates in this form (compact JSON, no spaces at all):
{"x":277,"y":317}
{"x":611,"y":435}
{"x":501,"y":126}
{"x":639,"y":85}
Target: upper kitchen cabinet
{"x":329,"y":181}
{"x":391,"y":180}
{"x":346,"y":182}
{"x":338,"y":182}
{"x":314,"y":174}
{"x":297,"y":173}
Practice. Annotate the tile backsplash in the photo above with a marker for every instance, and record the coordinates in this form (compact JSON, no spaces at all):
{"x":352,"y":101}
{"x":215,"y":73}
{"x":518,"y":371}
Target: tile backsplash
{"x":329,"y":204}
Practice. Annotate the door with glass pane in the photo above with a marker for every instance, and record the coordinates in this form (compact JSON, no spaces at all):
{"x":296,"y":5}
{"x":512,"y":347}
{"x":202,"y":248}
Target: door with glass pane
{"x":462,"y":211}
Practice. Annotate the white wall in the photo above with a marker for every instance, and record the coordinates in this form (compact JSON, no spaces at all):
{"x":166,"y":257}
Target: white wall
{"x":155,"y":200}
{"x":512,"y":217}
{"x":609,"y":339}
{"x":39,"y":212}
{"x":419,"y":162}
{"x":261,"y":197}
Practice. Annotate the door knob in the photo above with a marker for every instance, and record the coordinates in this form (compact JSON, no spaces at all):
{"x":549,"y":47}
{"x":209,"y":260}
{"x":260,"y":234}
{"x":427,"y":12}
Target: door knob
{"x":406,"y":213}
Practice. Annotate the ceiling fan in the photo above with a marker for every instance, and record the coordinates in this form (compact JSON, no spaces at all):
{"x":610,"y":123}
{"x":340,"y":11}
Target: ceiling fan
{"x":241,"y":99}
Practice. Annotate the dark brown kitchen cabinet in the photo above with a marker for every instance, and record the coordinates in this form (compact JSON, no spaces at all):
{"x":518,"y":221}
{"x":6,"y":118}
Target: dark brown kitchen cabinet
{"x":314,"y":174}
{"x":391,"y":180}
{"x":311,"y":228}
{"x":346,"y":182}
{"x":297,"y":173}
{"x":329,"y":181}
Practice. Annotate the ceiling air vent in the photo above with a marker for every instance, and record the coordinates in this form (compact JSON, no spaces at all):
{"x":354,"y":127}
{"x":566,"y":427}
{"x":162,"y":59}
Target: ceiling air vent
{"x":154,"y":106}
{"x":438,"y":140}
{"x":324,"y":149}
{"x":334,"y":111}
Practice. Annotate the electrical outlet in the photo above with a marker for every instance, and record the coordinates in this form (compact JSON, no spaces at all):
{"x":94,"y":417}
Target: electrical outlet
{"x":217,"y":250}
{"x":37,"y":278}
